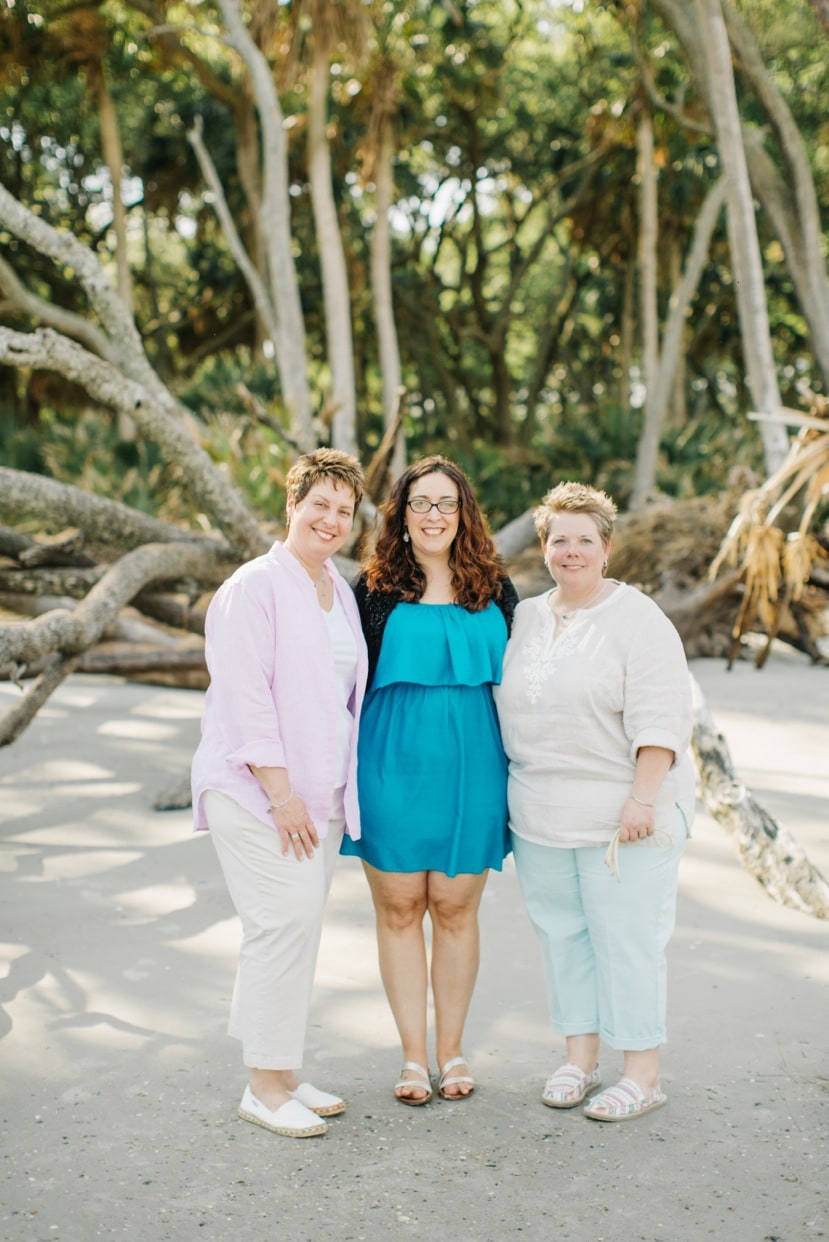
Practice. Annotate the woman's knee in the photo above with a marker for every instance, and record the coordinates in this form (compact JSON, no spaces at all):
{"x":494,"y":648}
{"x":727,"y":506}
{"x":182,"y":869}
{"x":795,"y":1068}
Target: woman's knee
{"x":401,"y":912}
{"x":453,"y":914}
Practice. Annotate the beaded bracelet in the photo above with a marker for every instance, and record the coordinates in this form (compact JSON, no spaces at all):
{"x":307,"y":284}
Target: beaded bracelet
{"x":651,"y":805}
{"x":277,"y":806}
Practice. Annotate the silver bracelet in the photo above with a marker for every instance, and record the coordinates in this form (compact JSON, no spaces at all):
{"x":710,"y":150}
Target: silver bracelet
{"x":651,"y":805}
{"x":277,"y":806}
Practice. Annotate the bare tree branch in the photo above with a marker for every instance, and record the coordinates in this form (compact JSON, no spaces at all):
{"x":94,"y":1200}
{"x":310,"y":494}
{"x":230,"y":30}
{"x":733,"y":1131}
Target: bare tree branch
{"x":50,"y":351}
{"x":15,"y":720}
{"x":70,"y":633}
{"x":56,"y":505}
{"x":235,"y":244}
{"x":67,"y":252}
{"x":53,"y":316}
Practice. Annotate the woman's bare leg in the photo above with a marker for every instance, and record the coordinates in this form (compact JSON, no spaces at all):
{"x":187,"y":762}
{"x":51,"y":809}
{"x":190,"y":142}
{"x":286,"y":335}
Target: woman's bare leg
{"x":399,"y":906}
{"x":453,"y":908}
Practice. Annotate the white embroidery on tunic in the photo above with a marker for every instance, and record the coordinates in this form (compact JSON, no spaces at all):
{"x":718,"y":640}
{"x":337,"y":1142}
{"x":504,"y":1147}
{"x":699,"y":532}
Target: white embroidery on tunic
{"x":544,"y":653}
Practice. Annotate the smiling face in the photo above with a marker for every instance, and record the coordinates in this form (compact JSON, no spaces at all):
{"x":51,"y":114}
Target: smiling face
{"x":433,"y":533}
{"x":321,"y":522}
{"x":575,"y":553}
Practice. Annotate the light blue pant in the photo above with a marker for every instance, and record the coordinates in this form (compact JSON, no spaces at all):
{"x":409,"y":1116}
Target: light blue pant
{"x":603,"y":942}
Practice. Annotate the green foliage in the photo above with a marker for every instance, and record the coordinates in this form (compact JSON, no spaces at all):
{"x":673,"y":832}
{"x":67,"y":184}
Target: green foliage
{"x":515,"y":233}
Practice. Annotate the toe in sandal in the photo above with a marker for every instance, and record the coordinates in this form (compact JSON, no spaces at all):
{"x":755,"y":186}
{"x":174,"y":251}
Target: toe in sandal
{"x":624,"y":1102}
{"x":568,"y":1086}
{"x":453,"y":1081}
{"x":420,"y":1079}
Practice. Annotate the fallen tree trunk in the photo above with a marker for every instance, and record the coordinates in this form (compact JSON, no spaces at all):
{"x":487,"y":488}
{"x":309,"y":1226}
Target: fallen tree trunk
{"x":767,"y":850}
{"x":66,"y":635}
{"x":25,"y":496}
{"x":125,"y":660}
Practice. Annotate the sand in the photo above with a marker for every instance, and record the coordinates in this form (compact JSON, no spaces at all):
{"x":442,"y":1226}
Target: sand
{"x":120,"y":1086}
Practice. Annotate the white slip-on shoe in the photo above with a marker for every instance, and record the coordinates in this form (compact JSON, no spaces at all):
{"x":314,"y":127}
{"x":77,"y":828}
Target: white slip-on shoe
{"x":323,"y":1103}
{"x":293,"y":1119}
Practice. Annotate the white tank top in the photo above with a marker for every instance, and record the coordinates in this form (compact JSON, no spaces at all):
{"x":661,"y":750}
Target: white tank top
{"x":344,"y":645}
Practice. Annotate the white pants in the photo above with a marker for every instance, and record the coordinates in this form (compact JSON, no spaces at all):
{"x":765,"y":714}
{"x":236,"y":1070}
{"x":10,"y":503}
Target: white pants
{"x":280,"y":901}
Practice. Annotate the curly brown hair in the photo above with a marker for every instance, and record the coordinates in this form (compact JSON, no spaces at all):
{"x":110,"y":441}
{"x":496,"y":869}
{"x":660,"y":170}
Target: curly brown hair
{"x":477,"y":569}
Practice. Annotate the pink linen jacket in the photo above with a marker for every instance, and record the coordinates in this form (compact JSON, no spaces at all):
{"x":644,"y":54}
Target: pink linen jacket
{"x":272,"y":695}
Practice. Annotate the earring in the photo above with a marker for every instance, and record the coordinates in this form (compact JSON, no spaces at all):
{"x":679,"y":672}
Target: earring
{"x":604,"y":565}
{"x":405,"y":534}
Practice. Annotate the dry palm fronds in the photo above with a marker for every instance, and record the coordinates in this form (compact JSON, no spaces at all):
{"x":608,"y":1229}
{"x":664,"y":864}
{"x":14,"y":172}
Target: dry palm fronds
{"x":799,"y":555}
{"x":776,"y":562}
{"x":762,"y":564}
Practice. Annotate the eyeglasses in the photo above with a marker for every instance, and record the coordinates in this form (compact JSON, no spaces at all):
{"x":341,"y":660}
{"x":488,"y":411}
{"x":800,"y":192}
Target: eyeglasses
{"x":420,"y":504}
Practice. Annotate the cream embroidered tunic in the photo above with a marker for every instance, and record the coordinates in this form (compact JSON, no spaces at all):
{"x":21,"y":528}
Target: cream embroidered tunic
{"x":575,"y":706}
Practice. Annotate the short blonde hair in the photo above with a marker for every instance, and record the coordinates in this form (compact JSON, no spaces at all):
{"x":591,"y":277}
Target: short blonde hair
{"x":324,"y":463}
{"x":576,"y":498}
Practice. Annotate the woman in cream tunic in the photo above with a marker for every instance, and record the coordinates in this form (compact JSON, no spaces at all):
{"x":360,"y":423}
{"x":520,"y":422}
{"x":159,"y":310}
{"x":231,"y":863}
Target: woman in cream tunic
{"x":595,"y":712}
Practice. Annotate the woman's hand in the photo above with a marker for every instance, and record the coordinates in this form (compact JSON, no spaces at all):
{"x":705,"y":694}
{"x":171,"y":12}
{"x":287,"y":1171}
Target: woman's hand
{"x":295,"y":827}
{"x":637,"y":821}
{"x":639,"y":814}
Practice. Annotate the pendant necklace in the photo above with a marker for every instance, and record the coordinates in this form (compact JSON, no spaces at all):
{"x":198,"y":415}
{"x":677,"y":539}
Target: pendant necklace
{"x":591,"y":599}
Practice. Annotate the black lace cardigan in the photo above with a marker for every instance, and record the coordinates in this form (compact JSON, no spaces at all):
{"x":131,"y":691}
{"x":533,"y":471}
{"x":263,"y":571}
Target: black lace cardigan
{"x":377,"y":606}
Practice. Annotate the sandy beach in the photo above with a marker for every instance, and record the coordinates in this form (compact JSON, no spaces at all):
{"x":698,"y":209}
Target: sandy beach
{"x":120,"y":1086}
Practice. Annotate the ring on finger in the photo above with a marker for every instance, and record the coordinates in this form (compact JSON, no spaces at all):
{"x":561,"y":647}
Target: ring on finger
{"x":294,"y":836}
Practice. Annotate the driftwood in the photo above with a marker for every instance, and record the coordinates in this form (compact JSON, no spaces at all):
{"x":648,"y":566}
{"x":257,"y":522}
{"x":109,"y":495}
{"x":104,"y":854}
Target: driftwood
{"x":67,"y":635}
{"x":766,"y":849}
{"x":176,"y":797}
{"x":65,"y":548}
{"x":126,"y":660}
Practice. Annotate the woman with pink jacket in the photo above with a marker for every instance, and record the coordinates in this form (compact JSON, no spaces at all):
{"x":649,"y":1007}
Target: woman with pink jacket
{"x":275,"y":775}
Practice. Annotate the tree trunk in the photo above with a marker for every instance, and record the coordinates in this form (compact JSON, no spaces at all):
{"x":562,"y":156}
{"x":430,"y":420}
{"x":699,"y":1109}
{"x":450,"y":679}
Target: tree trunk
{"x":626,"y":335}
{"x":266,"y":311}
{"x":338,"y":330}
{"x":648,"y":447}
{"x":742,"y":231}
{"x":114,"y":157}
{"x":276,"y":230}
{"x":381,"y":287}
{"x":678,"y":408}
{"x":660,"y":392}
{"x":765,"y":177}
{"x":812,"y":282}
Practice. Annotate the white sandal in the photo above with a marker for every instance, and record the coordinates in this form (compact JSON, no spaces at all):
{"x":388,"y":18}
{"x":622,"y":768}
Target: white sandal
{"x":420,"y":1080}
{"x":446,"y":1081}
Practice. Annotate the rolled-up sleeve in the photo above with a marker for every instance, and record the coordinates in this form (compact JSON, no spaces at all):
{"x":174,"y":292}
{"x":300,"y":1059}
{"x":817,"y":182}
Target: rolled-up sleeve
{"x":657,"y":692}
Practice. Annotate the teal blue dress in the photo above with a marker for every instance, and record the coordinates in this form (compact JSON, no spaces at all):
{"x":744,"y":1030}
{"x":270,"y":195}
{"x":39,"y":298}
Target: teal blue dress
{"x":432,"y":774}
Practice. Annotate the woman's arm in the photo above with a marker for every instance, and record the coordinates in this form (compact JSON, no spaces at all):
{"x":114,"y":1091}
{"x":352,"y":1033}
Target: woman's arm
{"x":288,"y":811}
{"x":653,"y":764}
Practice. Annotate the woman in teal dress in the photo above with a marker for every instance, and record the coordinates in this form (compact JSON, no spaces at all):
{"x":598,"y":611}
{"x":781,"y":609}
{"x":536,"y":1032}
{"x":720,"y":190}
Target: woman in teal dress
{"x":436,"y":609}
